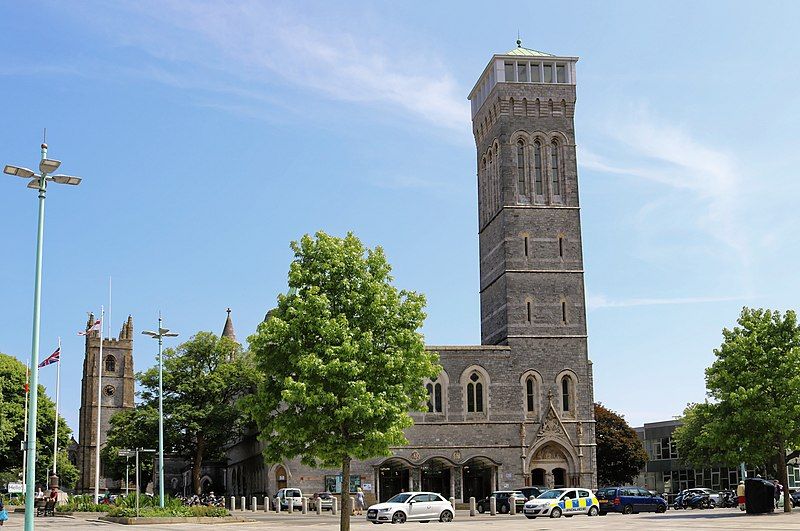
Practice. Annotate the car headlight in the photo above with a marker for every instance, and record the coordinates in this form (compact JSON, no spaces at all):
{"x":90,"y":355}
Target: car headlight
{"x":386,"y":510}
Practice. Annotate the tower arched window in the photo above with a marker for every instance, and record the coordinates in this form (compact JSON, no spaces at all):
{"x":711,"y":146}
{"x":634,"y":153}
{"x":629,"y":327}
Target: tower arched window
{"x":530,"y":394}
{"x":537,"y":168}
{"x":522,"y":174}
{"x":555,"y":169}
{"x":111,"y":364}
{"x":567,"y":394}
{"x":475,"y":393}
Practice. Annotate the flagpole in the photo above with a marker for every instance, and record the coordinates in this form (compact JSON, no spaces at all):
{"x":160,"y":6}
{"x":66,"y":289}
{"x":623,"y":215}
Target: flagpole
{"x":25,"y":429}
{"x":58,"y":392}
{"x":99,"y":411}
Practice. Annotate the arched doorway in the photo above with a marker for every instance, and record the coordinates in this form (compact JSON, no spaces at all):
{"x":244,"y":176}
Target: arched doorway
{"x":281,"y":479}
{"x":478,"y":477}
{"x":550,"y":465}
{"x":394,"y":475}
{"x":436,"y":473}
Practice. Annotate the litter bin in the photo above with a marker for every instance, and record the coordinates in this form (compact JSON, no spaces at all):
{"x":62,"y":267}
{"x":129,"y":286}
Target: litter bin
{"x":759,"y":495}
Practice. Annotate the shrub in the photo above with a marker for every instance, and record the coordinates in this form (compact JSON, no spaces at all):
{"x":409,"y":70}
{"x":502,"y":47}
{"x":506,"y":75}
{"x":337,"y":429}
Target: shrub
{"x":171,"y":511}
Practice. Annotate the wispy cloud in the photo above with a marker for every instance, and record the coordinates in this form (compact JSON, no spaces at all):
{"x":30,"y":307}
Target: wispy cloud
{"x":594,"y":302}
{"x":262,"y":46}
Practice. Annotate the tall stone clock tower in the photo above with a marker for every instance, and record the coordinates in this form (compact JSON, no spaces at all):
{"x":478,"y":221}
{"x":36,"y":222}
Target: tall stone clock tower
{"x":117,"y":395}
{"x":531,"y":259}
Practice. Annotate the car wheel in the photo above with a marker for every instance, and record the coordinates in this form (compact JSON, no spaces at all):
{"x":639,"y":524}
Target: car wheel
{"x":712,"y":504}
{"x":628,"y":509}
{"x":399,"y":517}
{"x":481,"y":509}
{"x":446,"y":516}
{"x":661,"y":509}
{"x":593,"y":511}
{"x":503,"y":509}
{"x":555,"y":513}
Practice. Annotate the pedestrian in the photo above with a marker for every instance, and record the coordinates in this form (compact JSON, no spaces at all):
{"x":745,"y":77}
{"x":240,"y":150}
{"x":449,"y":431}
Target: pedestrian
{"x":3,"y":513}
{"x":54,"y":494}
{"x":359,"y":501}
{"x":740,"y":495}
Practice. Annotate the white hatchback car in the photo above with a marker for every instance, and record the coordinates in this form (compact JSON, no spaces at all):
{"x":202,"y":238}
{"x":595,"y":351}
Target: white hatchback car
{"x":419,"y":506}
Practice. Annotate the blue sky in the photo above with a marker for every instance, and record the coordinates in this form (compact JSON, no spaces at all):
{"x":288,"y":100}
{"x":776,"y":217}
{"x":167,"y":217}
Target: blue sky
{"x":209,"y":135}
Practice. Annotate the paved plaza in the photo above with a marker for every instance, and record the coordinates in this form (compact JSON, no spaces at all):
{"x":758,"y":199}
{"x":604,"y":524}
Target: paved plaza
{"x":728,"y":519}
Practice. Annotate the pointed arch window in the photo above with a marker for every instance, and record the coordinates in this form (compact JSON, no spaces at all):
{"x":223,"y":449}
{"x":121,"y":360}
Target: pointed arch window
{"x":434,"y":389}
{"x":555,"y":169}
{"x":475,"y":393}
{"x":111,"y":364}
{"x":522,"y":173}
{"x":530,"y":394}
{"x":537,"y":168}
{"x":567,"y":394}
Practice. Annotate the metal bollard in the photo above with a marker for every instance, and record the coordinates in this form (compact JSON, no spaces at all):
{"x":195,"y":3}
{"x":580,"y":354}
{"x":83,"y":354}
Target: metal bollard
{"x":472,"y":506}
{"x":266,"y":504}
{"x":233,"y":503}
{"x":304,"y":509}
{"x":335,"y":506}
{"x":512,"y":505}
{"x":318,"y":505}
{"x":290,"y":505}
{"x":244,"y":504}
{"x":254,"y":504}
{"x":492,"y":506}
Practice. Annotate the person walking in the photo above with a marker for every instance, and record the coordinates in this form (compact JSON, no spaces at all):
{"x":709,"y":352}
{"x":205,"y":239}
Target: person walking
{"x":740,"y":495}
{"x":359,"y":501}
{"x":3,"y":513}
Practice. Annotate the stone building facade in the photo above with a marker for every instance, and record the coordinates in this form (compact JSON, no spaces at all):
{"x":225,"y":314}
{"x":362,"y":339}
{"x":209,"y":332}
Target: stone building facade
{"x":117,"y":395}
{"x":517,"y":409}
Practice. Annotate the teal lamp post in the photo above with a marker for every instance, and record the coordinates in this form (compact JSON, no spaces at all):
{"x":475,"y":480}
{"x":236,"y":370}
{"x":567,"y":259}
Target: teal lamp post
{"x":38,"y":181}
{"x":160,"y":335}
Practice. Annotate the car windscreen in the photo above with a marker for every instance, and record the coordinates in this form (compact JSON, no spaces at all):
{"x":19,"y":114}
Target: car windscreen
{"x":606,"y":493}
{"x":550,"y":495}
{"x":399,"y":498}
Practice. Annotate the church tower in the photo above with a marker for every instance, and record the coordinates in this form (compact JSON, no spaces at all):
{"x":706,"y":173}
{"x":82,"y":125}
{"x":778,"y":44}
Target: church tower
{"x":117,"y":395}
{"x":531,"y":259}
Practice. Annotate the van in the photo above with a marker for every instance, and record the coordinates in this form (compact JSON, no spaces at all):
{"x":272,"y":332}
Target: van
{"x":287,"y":496}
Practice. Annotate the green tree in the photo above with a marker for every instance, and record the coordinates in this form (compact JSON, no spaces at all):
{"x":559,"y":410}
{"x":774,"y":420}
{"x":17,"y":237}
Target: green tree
{"x":131,"y":429}
{"x":753,"y":415}
{"x":12,"y":421}
{"x":341,"y":359}
{"x":620,"y":452}
{"x":203,"y":378}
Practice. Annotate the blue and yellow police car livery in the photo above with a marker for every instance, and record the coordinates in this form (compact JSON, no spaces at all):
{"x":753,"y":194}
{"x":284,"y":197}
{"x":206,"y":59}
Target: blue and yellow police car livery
{"x":567,"y":502}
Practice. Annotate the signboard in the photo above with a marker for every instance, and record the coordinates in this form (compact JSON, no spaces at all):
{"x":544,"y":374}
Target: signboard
{"x":15,"y":488}
{"x":366,"y":487}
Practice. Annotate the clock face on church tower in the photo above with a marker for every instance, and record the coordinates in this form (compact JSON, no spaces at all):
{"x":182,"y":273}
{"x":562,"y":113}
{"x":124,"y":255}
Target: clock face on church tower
{"x":109,"y":390}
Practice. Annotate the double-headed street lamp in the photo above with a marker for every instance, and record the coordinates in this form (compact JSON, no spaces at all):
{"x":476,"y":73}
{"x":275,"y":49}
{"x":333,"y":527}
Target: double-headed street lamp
{"x":38,"y":181}
{"x":160,"y":335}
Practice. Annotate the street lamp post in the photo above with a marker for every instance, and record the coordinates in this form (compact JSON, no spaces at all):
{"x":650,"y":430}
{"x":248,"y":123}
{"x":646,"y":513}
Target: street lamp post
{"x":38,"y":181}
{"x":160,"y":335}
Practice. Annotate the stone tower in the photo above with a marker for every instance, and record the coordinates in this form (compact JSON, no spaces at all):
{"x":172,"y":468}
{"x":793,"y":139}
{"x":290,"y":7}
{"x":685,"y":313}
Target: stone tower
{"x":117,"y":395}
{"x":531,"y":260}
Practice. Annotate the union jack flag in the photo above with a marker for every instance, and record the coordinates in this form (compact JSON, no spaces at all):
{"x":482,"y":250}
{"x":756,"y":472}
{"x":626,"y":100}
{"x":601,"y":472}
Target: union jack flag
{"x":55,"y":357}
{"x":95,"y":327}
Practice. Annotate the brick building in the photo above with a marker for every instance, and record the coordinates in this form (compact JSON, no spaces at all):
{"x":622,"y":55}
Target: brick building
{"x":517,"y":409}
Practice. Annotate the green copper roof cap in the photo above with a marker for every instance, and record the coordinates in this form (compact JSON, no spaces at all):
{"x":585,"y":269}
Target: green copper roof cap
{"x":519,"y":50}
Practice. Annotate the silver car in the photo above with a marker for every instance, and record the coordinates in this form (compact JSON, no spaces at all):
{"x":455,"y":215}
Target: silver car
{"x":407,"y":506}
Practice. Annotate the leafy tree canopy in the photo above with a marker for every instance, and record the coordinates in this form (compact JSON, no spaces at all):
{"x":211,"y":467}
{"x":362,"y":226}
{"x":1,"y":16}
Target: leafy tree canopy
{"x":131,"y":429}
{"x":341,"y":359}
{"x":12,"y":421}
{"x":753,"y":415}
{"x":620,"y":452}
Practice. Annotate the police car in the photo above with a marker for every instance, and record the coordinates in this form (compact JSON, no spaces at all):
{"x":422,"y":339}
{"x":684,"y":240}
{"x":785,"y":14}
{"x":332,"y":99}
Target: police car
{"x":567,"y":502}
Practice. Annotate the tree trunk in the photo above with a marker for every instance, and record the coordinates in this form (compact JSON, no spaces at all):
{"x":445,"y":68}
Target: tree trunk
{"x":344,"y":524}
{"x":197,"y":464}
{"x":784,"y":478}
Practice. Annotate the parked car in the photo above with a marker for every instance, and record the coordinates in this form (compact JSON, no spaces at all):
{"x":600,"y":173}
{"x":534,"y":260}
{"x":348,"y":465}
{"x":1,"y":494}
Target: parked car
{"x":795,"y":498}
{"x":407,"y":506}
{"x":325,"y":499}
{"x":534,"y":491}
{"x":629,"y":499}
{"x":287,"y":496}
{"x":557,"y":502}
{"x":503,"y":501}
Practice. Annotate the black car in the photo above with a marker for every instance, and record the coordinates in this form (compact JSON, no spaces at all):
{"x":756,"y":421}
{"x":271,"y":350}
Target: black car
{"x":532,"y":491}
{"x":502,"y":503}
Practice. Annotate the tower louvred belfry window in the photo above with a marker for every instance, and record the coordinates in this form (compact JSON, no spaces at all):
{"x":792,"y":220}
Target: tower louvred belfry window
{"x":522,"y":174}
{"x":111,"y":364}
{"x":537,"y":168}
{"x":554,"y":169}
